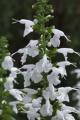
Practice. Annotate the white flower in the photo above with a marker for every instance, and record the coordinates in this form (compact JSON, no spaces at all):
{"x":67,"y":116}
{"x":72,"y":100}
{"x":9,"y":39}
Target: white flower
{"x":36,"y":76}
{"x":49,"y":93}
{"x":62,"y":94}
{"x":31,"y":49}
{"x":69,"y":117}
{"x":44,"y":65}
{"x":32,"y":112}
{"x":62,"y":67}
{"x":16,"y":94}
{"x":65,"y":51}
{"x":68,"y":109}
{"x":7,"y":64}
{"x":55,"y":40}
{"x":53,"y":77}
{"x":14,"y":71}
{"x":28,"y":25}
{"x":61,"y":116}
{"x":9,"y":83}
{"x":36,"y":103}
{"x":46,"y":109}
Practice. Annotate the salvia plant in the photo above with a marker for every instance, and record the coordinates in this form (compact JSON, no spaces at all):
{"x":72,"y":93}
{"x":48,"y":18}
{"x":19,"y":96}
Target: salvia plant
{"x":42,"y":96}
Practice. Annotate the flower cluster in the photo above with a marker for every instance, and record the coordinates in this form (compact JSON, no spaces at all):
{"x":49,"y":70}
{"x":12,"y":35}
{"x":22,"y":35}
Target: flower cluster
{"x":41,"y":96}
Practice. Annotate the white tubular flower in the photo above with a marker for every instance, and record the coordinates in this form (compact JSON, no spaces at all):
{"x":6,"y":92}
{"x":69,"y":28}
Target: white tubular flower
{"x":69,"y":117}
{"x":28,"y":25}
{"x":29,"y":93}
{"x":65,"y":51}
{"x":59,"y":33}
{"x":7,"y":64}
{"x":36,"y":76}
{"x":53,"y":78}
{"x":16,"y":94}
{"x":62,"y":67}
{"x":59,"y":116}
{"x":55,"y":40}
{"x":27,"y":74}
{"x":32,"y":112}
{"x":31,"y":49}
{"x":68,"y":109}
{"x":44,"y":65}
{"x":62,"y":94}
{"x":36,"y":103}
{"x":46,"y":109}
{"x":14,"y":71}
{"x":9,"y":83}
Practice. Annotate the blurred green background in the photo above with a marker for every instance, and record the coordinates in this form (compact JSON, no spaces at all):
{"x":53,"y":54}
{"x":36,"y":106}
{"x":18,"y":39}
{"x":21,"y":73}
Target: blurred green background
{"x":66,"y":18}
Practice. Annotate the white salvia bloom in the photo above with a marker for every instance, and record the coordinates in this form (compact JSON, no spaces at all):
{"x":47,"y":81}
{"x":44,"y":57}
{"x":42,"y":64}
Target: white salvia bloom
{"x":69,"y":117}
{"x":46,"y":93}
{"x":16,"y":94}
{"x":9,"y":83}
{"x":31,"y":73}
{"x":52,"y":91}
{"x":36,"y":76}
{"x":29,"y":93}
{"x":14,"y":106}
{"x":28,"y":25}
{"x":55,"y":40}
{"x":62,"y":67}
{"x":64,"y":63}
{"x":44,"y":65}
{"x":31,"y":49}
{"x":13,"y":72}
{"x":77,"y":71}
{"x":27,"y":76}
{"x":68,"y":109}
{"x":62,"y":94}
{"x":36,"y":103}
{"x":53,"y":77}
{"x":7,"y":64}
{"x":32,"y":112}
{"x":65,"y":51}
{"x":46,"y":109}
{"x":61,"y":116}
